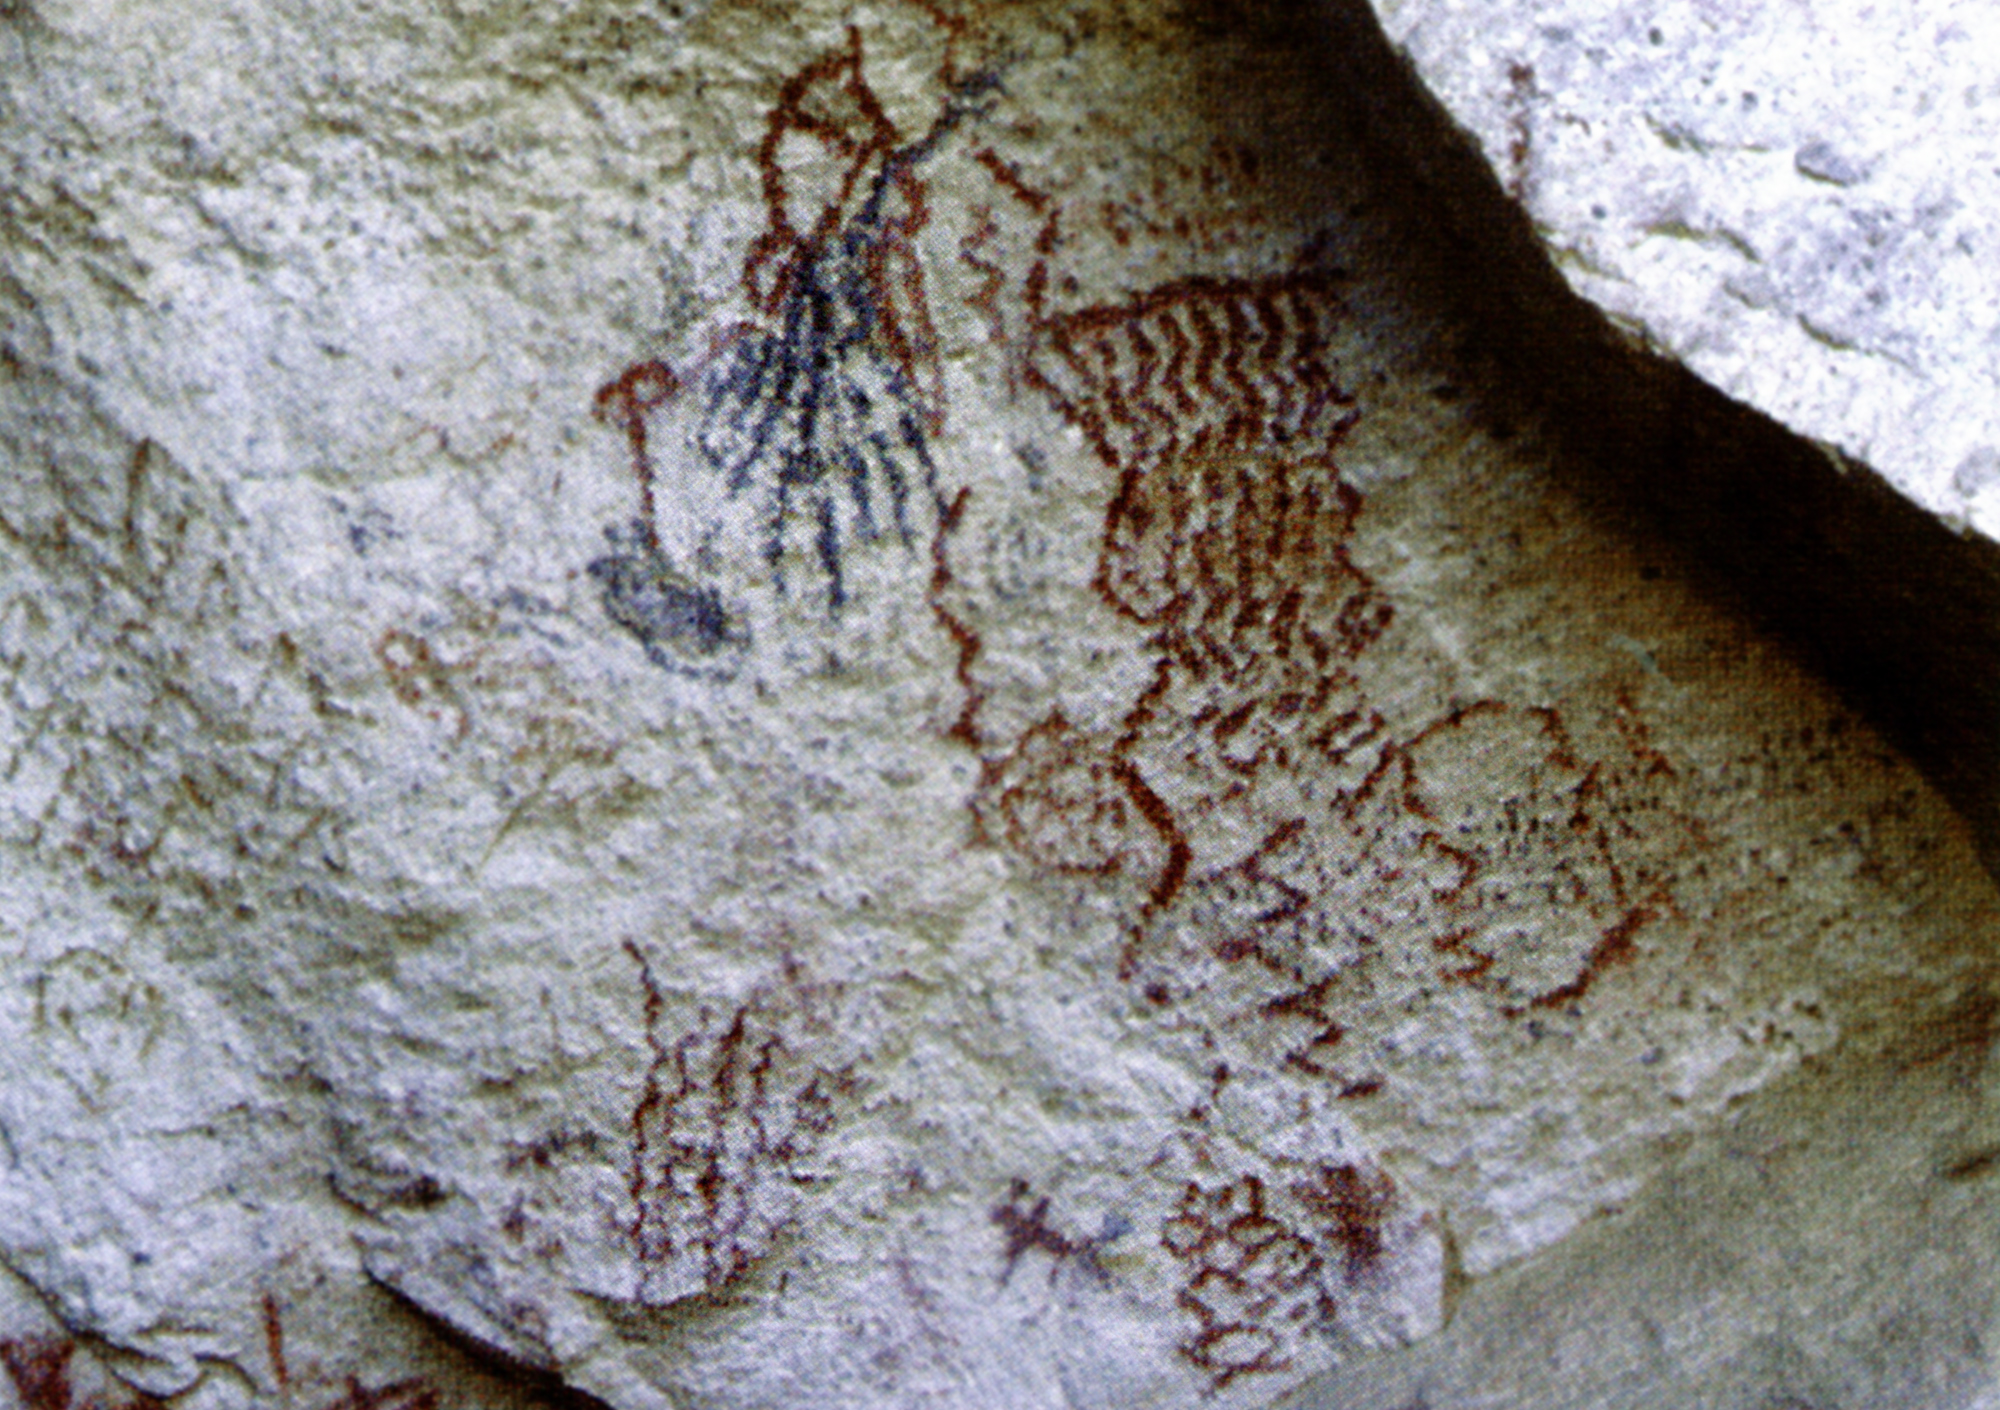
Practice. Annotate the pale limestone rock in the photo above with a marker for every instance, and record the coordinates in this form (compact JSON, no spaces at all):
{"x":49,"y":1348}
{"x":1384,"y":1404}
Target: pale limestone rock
{"x":791,"y":707}
{"x":1799,"y":201}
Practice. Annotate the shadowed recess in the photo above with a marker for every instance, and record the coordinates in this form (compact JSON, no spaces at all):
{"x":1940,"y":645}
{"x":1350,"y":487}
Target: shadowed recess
{"x":1895,"y":609}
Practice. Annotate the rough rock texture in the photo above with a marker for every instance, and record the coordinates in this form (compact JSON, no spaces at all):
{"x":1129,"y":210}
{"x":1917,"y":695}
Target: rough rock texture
{"x":773,"y":706}
{"x":1799,"y":201}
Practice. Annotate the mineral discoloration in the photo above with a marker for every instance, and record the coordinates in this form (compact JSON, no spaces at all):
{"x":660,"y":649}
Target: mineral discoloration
{"x":48,"y":1372}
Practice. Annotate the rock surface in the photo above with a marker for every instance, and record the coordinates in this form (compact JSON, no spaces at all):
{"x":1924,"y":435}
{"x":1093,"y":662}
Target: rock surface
{"x":1799,"y":201}
{"x":772,"y":705}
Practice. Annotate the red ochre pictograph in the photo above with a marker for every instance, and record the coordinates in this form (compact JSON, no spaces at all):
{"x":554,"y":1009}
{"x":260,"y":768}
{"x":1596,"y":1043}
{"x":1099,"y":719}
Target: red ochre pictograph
{"x":1028,"y":1228}
{"x":1250,"y":1281}
{"x":823,"y":406}
{"x":728,"y":1120}
{"x":1290,"y":862}
{"x":1264,"y":1267}
{"x":1285,"y":856}
{"x":1213,"y":404}
{"x":1250,"y":782}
